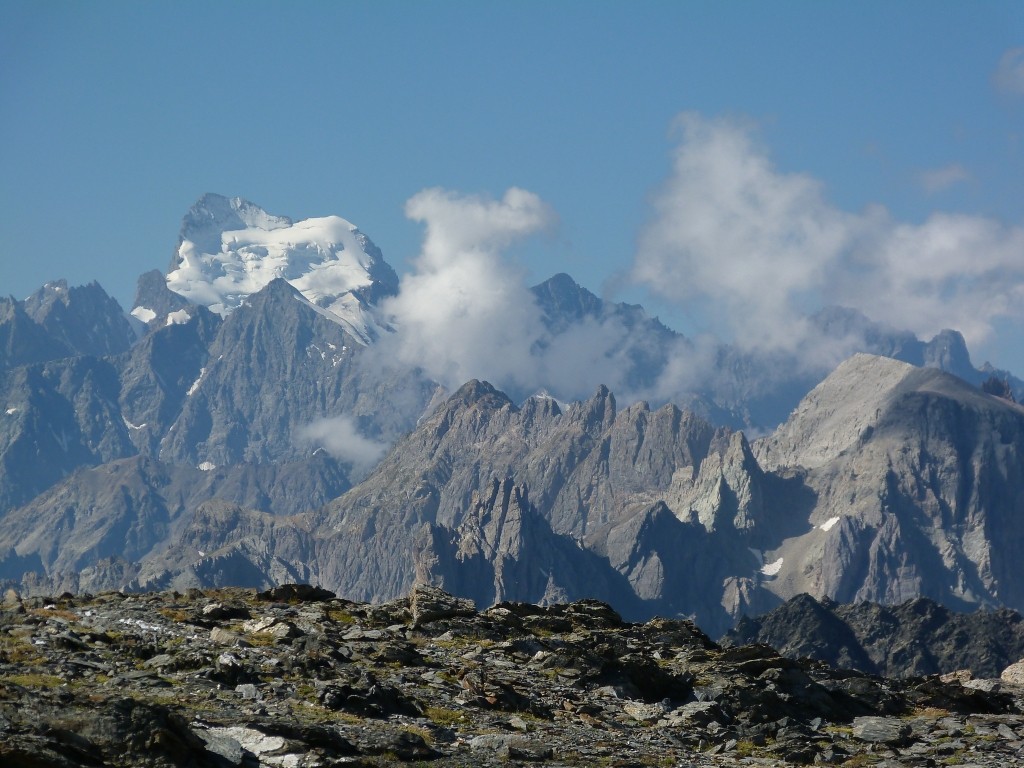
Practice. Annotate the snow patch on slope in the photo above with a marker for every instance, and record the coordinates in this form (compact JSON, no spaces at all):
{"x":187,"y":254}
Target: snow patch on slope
{"x":196,"y":383}
{"x":145,"y":314}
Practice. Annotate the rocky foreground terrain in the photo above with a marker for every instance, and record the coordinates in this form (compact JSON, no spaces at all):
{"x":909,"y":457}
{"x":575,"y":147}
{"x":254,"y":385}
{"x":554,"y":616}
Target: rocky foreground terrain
{"x":295,"y":677}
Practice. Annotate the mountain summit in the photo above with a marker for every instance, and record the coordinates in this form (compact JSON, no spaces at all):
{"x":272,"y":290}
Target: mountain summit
{"x":229,"y":249}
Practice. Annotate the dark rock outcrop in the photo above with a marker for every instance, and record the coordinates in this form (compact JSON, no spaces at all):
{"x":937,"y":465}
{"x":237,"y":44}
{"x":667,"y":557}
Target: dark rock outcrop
{"x":916,"y":638}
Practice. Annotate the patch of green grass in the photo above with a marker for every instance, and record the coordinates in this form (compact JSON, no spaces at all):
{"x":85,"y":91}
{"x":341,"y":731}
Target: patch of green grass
{"x":443,"y":716}
{"x":537,"y":631}
{"x":88,"y":683}
{"x":863,"y":759}
{"x":47,"y":613}
{"x":746,"y":748}
{"x":174,"y":614}
{"x":33,"y":680}
{"x":261,"y":639}
{"x":15,"y":650}
{"x":423,"y":733}
{"x":841,"y":730}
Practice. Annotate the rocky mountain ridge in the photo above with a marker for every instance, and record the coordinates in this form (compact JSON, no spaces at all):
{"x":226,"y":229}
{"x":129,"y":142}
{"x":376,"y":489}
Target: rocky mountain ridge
{"x":297,"y":677}
{"x":656,"y":512}
{"x":913,"y":639}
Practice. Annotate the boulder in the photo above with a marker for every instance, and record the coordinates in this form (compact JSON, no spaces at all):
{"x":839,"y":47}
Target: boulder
{"x":882,"y":730}
{"x":1014,"y":674}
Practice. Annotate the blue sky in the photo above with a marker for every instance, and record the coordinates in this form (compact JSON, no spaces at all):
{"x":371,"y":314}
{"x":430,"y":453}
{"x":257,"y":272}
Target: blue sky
{"x":888,"y":128}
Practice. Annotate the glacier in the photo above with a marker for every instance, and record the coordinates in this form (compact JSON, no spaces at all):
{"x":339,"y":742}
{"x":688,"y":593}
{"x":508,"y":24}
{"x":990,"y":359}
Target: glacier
{"x":230,"y":249}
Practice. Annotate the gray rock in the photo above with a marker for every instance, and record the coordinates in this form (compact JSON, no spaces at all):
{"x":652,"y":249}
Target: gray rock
{"x":512,"y":747}
{"x":248,"y":691}
{"x":219,"y":743}
{"x":430,"y":604}
{"x":1013,"y":674}
{"x":222,"y":636}
{"x":643,"y":712}
{"x":250,"y":740}
{"x":882,"y":730}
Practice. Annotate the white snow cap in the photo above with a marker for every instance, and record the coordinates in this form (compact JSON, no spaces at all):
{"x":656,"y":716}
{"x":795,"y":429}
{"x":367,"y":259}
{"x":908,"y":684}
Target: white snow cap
{"x":231,"y":248}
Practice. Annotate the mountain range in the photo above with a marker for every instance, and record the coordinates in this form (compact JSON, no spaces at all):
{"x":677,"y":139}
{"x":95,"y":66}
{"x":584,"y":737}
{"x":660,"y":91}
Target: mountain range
{"x":244,"y":425}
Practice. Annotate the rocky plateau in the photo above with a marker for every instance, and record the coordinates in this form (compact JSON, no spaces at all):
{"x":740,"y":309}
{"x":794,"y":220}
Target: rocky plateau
{"x":295,"y":677}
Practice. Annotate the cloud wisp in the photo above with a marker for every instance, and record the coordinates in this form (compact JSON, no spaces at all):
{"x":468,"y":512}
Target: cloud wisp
{"x":758,"y":248}
{"x":340,"y":437}
{"x":1009,"y":75}
{"x":937,"y":180}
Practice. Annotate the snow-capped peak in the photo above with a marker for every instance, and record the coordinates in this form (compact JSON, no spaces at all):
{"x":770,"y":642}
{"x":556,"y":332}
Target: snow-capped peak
{"x":231,"y":248}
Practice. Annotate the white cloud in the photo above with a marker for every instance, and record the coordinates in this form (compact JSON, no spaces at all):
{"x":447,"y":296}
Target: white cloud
{"x":340,"y":437}
{"x":759,"y":248}
{"x":1009,"y":75}
{"x":464,"y":311}
{"x":752,"y":245}
{"x":940,"y":179}
{"x":588,"y":353}
{"x":951,"y":271}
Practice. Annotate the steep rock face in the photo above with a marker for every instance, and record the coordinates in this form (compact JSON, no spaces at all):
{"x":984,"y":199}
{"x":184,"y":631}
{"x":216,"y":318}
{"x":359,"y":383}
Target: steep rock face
{"x":22,"y":340}
{"x":506,"y":551}
{"x":161,"y":372}
{"x":641,"y":345}
{"x":264,"y":550}
{"x":728,"y":491}
{"x":918,"y":485}
{"x":83,"y":318}
{"x":276,"y":366}
{"x":133,"y":509}
{"x":196,"y":393}
{"x":678,"y":568}
{"x":583,"y":467}
{"x":801,"y":628}
{"x":889,"y":482}
{"x":916,"y":638}
{"x":155,"y":302}
{"x":61,"y":415}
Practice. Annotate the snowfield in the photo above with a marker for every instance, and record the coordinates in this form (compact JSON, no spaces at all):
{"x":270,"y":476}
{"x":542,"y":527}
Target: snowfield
{"x":322,"y":258}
